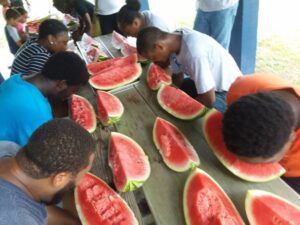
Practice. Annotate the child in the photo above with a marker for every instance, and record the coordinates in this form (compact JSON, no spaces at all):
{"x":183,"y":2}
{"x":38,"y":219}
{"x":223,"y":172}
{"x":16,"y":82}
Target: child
{"x":12,"y":17}
{"x":262,"y":123}
{"x":211,"y":69}
{"x":130,"y":20}
{"x":22,"y":21}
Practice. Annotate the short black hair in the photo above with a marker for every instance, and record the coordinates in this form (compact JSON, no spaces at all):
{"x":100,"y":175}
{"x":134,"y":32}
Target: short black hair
{"x":51,"y":27}
{"x":129,"y":12}
{"x":12,"y":14}
{"x":21,"y":10}
{"x":59,"y":145}
{"x":66,"y":66}
{"x":147,"y":37}
{"x":258,"y":125}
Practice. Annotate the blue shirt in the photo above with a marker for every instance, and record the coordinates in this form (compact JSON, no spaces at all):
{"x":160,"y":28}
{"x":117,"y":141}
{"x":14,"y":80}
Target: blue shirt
{"x":23,"y":108}
{"x":17,"y":208}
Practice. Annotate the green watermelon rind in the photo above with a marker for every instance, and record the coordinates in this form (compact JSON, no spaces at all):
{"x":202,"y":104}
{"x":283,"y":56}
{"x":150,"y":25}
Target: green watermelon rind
{"x":132,"y":185}
{"x":107,"y":88}
{"x":252,"y":194}
{"x":191,"y":165}
{"x":161,"y":82}
{"x":113,"y":119}
{"x":200,"y":113}
{"x":231,"y":168}
{"x":79,"y":208}
{"x":190,"y":177}
{"x":94,"y":120}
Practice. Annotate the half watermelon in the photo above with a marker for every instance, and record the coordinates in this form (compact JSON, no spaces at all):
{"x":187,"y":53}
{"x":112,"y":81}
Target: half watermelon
{"x":156,"y":76}
{"x":116,"y":77}
{"x":130,"y":165}
{"x":260,"y":172}
{"x":97,"y":203}
{"x":264,"y":208}
{"x":82,"y":112}
{"x":99,"y":67}
{"x":110,"y":108}
{"x":179,"y":104}
{"x":205,"y":202}
{"x":176,"y":150}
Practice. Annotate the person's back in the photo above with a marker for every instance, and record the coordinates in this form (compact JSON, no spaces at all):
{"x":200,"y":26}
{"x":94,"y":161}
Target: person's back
{"x":153,"y":20}
{"x":31,"y":57}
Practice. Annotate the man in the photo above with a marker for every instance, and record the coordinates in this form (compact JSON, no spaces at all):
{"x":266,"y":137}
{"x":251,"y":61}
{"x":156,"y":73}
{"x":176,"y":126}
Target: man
{"x":216,"y":18}
{"x":53,"y":162}
{"x":211,"y":69}
{"x":262,"y":123}
{"x":25,"y":100}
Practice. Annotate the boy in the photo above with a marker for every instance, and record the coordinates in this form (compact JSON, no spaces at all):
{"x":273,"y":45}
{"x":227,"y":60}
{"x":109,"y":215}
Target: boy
{"x":12,"y":17}
{"x":22,"y":21}
{"x":25,"y":99}
{"x":211,"y":69}
{"x":262,"y":123}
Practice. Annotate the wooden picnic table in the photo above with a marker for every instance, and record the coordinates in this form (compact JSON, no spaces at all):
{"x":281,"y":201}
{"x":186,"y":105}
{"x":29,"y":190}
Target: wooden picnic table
{"x":160,"y":200}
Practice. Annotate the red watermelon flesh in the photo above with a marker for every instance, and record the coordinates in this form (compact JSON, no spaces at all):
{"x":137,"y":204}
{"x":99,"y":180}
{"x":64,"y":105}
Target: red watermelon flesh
{"x":128,"y":49}
{"x":97,"y":203}
{"x":176,"y":150}
{"x":116,"y":77}
{"x":264,"y":208}
{"x":95,"y":68}
{"x":130,"y":165}
{"x":206,"y":203}
{"x":260,"y":172}
{"x":179,"y":104}
{"x":117,"y":40}
{"x":156,"y":76}
{"x":110,"y":108}
{"x":82,"y":112}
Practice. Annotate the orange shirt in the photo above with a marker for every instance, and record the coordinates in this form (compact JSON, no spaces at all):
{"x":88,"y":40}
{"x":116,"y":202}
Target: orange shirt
{"x":250,"y":84}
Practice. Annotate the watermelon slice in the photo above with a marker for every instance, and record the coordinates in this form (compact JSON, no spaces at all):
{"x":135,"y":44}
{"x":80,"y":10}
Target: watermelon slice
{"x":264,"y":208}
{"x":156,"y":76}
{"x":82,"y":112}
{"x":130,"y":165}
{"x":175,"y":148}
{"x":110,"y":108}
{"x":117,"y":40}
{"x":97,"y":203}
{"x":95,"y":68}
{"x":116,"y":77}
{"x":205,"y":202}
{"x":260,"y":172}
{"x":179,"y":104}
{"x":127,"y":49}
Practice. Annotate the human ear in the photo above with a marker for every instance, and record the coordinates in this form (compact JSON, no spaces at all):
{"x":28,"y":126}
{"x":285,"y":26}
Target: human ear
{"x":60,"y":180}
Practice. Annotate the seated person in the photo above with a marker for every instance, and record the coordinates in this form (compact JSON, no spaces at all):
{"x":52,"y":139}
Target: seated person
{"x":130,"y":20}
{"x":25,"y":99}
{"x":81,"y":9}
{"x":262,"y":123}
{"x":22,"y":21}
{"x":52,"y":163}
{"x":211,"y":69}
{"x":31,"y":57}
{"x":14,"y":40}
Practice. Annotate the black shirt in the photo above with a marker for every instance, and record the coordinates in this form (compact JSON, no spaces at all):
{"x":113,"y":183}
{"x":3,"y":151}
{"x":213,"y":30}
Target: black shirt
{"x":82,"y":7}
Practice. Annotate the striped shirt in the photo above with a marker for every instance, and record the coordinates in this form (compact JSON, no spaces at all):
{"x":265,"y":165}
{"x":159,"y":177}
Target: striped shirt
{"x":30,"y":58}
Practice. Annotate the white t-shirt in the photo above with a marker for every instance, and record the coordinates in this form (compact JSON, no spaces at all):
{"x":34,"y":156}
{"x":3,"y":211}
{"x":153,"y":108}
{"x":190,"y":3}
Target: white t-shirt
{"x":215,"y":5}
{"x":108,"y":7}
{"x":156,"y":21}
{"x":205,"y":61}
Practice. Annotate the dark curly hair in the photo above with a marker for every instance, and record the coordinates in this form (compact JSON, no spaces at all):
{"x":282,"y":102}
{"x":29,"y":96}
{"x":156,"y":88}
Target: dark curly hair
{"x":147,"y":38}
{"x":57,"y":146}
{"x":66,"y":66}
{"x":258,"y":125}
{"x":51,"y":27}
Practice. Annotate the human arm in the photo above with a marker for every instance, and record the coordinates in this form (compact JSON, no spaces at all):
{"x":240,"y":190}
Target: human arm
{"x":87,"y":22}
{"x":207,"y":98}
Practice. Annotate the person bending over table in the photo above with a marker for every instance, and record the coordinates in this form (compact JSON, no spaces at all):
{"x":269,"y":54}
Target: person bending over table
{"x":262,"y":123}
{"x":31,"y":57}
{"x":25,"y":99}
{"x":130,"y":20}
{"x":51,"y":164}
{"x":209,"y":67}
